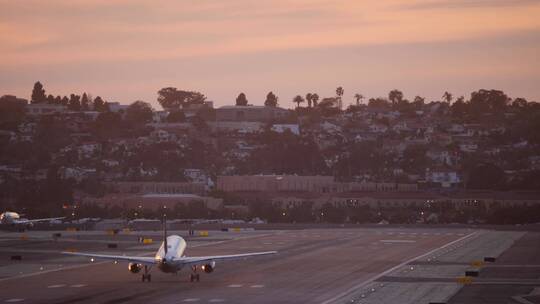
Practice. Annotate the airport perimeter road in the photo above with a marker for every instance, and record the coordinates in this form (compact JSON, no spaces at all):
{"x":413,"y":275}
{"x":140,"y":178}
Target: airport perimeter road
{"x":312,"y":266}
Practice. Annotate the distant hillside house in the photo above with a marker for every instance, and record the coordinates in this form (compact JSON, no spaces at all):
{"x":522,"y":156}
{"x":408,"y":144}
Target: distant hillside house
{"x":249,"y":113}
{"x":44,"y":109}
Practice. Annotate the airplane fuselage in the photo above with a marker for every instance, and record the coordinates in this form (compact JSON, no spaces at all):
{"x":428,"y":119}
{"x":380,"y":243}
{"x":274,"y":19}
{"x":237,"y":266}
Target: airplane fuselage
{"x":176,"y":246}
{"x":9,"y":218}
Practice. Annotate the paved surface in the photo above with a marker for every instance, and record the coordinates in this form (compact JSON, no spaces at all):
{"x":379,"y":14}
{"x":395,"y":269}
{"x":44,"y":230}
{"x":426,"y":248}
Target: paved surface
{"x":513,"y":278}
{"x":313,"y":266}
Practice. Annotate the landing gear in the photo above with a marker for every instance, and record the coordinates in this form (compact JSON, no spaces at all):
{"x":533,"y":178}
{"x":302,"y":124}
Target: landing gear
{"x":194,"y":276}
{"x":146,"y":275}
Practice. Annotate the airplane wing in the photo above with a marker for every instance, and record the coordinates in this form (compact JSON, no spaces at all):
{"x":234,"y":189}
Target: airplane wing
{"x":26,"y":221}
{"x":206,"y":259}
{"x":133,"y":259}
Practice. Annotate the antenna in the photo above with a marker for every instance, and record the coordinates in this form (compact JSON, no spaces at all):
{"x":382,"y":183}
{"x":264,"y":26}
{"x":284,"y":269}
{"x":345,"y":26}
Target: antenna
{"x":165,"y":233}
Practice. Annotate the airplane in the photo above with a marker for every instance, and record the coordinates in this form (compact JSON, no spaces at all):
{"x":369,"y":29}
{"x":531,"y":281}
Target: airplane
{"x":14,"y":219}
{"x":170,"y":258}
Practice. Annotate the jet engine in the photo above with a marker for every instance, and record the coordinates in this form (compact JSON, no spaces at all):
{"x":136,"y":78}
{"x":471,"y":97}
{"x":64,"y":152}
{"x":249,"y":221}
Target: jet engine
{"x":208,"y":268}
{"x":134,"y":267}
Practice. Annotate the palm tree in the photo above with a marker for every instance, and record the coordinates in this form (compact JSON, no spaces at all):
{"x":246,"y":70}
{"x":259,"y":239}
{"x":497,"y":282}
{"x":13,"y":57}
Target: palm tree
{"x":315,"y":98}
{"x":358,"y":98}
{"x":309,"y":97}
{"x":448,"y":97}
{"x":395,"y":96}
{"x":339,"y":93}
{"x":298,"y":100}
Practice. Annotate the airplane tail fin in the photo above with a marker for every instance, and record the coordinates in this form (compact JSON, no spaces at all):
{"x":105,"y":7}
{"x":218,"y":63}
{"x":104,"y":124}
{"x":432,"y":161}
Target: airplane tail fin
{"x":165,"y":247}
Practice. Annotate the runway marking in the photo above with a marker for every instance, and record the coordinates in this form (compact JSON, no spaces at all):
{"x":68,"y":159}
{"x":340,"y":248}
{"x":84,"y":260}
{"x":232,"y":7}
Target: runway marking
{"x":235,"y":285}
{"x":56,"y":286}
{"x":267,"y":243}
{"x":368,"y":281}
{"x":191,"y":300}
{"x":397,"y":241}
{"x":216,"y":300}
{"x":77,"y":285}
{"x":256,"y":286}
{"x":14,"y":300}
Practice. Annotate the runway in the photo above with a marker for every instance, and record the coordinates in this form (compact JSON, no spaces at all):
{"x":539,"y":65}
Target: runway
{"x":312,"y":266}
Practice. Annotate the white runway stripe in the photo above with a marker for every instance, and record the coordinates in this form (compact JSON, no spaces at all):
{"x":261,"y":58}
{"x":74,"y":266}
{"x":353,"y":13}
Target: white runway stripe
{"x":235,"y":285}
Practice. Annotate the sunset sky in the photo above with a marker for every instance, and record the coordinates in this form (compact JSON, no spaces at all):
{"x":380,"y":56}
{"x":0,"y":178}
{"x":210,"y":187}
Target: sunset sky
{"x":125,"y":50}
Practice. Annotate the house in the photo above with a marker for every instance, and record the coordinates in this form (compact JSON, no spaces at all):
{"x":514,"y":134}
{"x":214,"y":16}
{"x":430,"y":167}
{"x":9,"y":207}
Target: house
{"x":88,"y":149}
{"x":280,"y":128}
{"x":378,"y":128}
{"x":117,"y":107}
{"x":196,"y":175}
{"x":468,"y":147}
{"x":250,"y":113}
{"x":76,"y":173}
{"x":159,"y":116}
{"x":442,"y":156}
{"x":162,"y":136}
{"x":445,"y":178}
{"x":37,"y":109}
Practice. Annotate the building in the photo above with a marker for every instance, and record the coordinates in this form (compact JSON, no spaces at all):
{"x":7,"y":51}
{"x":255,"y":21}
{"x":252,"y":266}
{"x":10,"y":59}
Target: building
{"x":117,"y":107}
{"x":281,"y":128}
{"x":153,"y":201}
{"x":443,"y":177}
{"x":250,"y":113}
{"x":44,"y":109}
{"x":157,"y":187}
{"x":273,"y":183}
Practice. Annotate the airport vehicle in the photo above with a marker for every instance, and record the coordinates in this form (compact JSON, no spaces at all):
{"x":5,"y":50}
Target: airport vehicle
{"x":170,"y":258}
{"x":14,"y":219}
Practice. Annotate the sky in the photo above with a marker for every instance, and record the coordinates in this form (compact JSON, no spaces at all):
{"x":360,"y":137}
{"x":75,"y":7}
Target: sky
{"x":126,"y":50}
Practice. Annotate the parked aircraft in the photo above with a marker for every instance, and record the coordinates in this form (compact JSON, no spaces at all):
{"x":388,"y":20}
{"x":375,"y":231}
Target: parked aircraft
{"x":14,"y":219}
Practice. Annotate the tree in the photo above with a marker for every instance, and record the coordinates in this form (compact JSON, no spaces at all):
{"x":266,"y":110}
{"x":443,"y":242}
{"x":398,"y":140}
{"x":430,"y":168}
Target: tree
{"x":339,"y":94}
{"x":395,"y":96}
{"x":108,"y":125}
{"x":241,"y":100}
{"x":328,"y":102}
{"x":378,"y":103}
{"x":492,"y":101}
{"x":100,"y":105}
{"x":139,"y":112}
{"x":486,"y":176}
{"x":519,"y":103}
{"x":173,"y":99}
{"x":12,"y":111}
{"x":74,"y":102}
{"x":309,"y":98}
{"x":315,"y":99}
{"x":459,"y":108}
{"x":358,"y":98}
{"x":419,"y":102}
{"x":38,"y":93}
{"x":448,"y":97}
{"x":50,"y":99}
{"x":271,"y":100}
{"x":176,"y":116}
{"x":298,"y":100}
{"x":58,"y":100}
{"x":65,"y":101}
{"x":85,"y":102}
